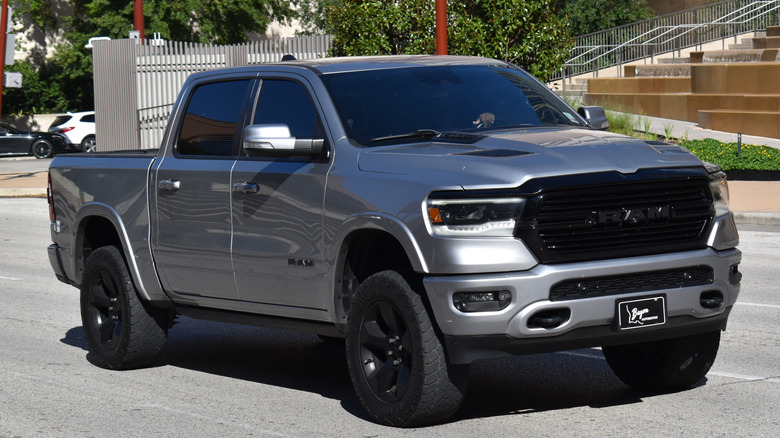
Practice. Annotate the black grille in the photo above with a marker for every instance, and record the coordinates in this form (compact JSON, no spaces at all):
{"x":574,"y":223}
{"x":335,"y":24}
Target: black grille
{"x":620,"y":284}
{"x":613,"y":215}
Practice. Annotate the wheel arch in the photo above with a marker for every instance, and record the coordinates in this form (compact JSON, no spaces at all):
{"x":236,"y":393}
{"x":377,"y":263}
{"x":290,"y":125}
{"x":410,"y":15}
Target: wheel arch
{"x":98,"y":225}
{"x":369,"y":244}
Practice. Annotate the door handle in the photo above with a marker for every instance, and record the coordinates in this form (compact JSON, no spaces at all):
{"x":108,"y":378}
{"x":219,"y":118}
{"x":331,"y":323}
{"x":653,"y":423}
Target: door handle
{"x":246,"y":188}
{"x":169,"y":185}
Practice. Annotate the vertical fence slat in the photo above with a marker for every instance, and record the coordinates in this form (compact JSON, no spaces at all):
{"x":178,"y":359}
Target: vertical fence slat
{"x":136,"y":83}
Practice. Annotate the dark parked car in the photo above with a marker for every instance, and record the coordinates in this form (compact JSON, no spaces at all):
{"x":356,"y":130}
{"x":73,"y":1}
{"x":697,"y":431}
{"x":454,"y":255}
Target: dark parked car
{"x":39,"y":144}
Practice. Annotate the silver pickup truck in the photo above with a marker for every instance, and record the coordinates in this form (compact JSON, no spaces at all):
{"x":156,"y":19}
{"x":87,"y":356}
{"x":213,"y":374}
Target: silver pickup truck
{"x":432,"y":210}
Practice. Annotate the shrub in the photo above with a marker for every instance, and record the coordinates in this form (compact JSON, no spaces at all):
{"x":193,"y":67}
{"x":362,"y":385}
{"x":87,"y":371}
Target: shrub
{"x":751,"y":156}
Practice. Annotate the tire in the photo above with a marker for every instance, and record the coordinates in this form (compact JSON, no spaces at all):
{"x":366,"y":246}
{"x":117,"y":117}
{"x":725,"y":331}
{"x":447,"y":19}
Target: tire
{"x":122,"y":331}
{"x":88,"y":144}
{"x":42,"y":149}
{"x":395,"y":359}
{"x":664,"y":365}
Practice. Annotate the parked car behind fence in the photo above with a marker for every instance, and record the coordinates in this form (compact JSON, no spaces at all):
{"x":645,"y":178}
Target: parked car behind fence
{"x":78,"y":128}
{"x":39,"y":144}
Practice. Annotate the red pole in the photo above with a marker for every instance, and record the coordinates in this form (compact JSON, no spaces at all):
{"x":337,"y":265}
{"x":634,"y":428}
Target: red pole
{"x":3,"y":33}
{"x":441,"y":27}
{"x":138,"y":17}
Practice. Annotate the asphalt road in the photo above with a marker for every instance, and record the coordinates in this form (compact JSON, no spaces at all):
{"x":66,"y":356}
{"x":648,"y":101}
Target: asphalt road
{"x":223,"y":380}
{"x":23,"y":164}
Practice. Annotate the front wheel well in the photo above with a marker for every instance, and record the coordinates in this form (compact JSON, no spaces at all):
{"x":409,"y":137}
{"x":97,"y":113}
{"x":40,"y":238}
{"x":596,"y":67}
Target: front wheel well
{"x":364,"y":253}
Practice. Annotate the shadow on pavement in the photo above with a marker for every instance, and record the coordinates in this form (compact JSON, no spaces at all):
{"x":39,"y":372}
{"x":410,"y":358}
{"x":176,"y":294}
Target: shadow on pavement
{"x":498,"y":387}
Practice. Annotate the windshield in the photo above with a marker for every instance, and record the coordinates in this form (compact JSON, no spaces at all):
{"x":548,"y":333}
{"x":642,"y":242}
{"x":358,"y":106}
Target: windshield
{"x":389,"y":105}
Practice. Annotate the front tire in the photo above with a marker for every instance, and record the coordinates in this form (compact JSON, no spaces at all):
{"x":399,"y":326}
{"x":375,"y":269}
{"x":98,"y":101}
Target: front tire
{"x":122,"y":331}
{"x":664,"y":365}
{"x":395,"y":359}
{"x":42,"y":149}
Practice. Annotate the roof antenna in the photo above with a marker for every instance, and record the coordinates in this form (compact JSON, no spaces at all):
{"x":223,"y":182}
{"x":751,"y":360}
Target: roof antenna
{"x":288,"y":57}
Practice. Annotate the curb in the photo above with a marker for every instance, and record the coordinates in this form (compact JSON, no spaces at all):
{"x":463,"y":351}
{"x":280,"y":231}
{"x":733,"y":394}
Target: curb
{"x":756,"y":218}
{"x":22,"y":193}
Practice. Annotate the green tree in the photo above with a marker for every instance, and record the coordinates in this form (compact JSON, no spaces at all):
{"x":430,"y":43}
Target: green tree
{"x":69,"y":71}
{"x":587,"y":16}
{"x":525,"y":32}
{"x":381,"y":27}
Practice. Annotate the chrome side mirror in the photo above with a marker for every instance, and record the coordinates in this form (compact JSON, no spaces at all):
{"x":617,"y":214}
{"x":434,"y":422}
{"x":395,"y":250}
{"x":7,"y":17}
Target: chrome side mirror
{"x":275,"y":140}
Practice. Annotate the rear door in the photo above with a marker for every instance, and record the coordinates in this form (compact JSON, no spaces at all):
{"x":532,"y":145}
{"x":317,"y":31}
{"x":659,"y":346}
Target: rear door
{"x":277,"y":206}
{"x":192,"y":236}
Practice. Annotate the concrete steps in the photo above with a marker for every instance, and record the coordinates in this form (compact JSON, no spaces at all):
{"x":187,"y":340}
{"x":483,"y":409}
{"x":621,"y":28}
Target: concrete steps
{"x":685,"y":106}
{"x":741,"y":55}
{"x":763,"y":123}
{"x":727,"y":90}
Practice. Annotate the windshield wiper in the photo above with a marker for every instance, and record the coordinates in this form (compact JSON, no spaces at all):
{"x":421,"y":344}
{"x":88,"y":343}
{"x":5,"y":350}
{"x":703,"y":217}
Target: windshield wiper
{"x":418,"y":134}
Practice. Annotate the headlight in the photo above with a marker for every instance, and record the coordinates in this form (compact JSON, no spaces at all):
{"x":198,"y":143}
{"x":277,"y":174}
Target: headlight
{"x":474,"y":217}
{"x":720,"y":189}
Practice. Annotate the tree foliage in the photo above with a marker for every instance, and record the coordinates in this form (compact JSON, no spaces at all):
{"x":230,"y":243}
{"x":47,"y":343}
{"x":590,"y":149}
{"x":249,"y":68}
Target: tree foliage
{"x":70,"y":69}
{"x":524,"y":32}
{"x":587,"y":16}
{"x":381,"y":27}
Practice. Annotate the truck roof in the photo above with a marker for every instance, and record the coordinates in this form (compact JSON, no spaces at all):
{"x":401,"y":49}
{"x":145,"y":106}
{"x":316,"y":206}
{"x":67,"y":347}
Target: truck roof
{"x":358,"y":63}
{"x":365,"y":63}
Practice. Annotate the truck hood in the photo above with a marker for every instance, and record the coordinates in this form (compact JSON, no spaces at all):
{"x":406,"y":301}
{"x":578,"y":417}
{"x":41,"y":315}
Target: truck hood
{"x":508,"y":159}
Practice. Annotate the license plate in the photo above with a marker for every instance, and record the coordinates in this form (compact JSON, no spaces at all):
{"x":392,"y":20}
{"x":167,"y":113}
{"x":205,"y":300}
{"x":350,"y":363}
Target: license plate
{"x":641,"y":312}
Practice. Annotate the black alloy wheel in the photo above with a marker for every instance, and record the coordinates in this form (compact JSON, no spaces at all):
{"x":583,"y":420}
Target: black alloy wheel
{"x":42,"y":149}
{"x":396,"y":361}
{"x":122,"y":331}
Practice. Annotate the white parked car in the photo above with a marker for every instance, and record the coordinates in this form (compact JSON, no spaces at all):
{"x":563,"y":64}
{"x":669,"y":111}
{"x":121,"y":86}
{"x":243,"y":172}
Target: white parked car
{"x":78,"y":128}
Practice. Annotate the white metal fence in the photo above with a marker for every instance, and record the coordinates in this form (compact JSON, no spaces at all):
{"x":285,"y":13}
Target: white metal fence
{"x":136,"y":83}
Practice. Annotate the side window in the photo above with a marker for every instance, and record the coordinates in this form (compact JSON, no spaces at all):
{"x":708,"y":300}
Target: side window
{"x":89,"y":118}
{"x":212,"y":117}
{"x":289,"y":103}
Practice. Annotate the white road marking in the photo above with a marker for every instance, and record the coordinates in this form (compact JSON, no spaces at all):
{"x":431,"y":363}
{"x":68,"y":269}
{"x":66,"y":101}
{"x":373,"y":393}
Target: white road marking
{"x":743,"y":376}
{"x":10,"y":278}
{"x":770,"y":306}
{"x":738,"y":376}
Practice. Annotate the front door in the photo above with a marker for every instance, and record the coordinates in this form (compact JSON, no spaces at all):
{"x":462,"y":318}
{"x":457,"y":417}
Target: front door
{"x":277,"y":208}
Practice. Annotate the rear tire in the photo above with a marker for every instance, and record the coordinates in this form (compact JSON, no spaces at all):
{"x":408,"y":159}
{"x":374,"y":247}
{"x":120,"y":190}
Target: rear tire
{"x":395,"y":359}
{"x":88,"y":144}
{"x":664,"y":365}
{"x":122,"y":331}
{"x":42,"y":149}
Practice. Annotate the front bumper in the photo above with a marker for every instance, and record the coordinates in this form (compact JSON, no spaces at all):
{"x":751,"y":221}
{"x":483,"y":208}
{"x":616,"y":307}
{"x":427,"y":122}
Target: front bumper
{"x":588,"y":321}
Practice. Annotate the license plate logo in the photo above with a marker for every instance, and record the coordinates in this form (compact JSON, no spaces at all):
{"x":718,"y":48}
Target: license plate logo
{"x":642,"y":312}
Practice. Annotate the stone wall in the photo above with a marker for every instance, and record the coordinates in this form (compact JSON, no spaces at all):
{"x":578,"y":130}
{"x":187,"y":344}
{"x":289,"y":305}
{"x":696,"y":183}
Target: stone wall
{"x":37,"y":122}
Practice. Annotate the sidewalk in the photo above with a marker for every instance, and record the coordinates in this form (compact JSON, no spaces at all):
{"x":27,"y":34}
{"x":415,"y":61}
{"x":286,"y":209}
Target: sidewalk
{"x":753,"y":202}
{"x":26,"y":184}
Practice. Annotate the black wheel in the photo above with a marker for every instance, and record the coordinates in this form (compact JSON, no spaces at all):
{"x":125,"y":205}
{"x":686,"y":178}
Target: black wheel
{"x":395,"y":359}
{"x":122,"y":332}
{"x":88,"y":144}
{"x":664,"y":365}
{"x":42,"y":149}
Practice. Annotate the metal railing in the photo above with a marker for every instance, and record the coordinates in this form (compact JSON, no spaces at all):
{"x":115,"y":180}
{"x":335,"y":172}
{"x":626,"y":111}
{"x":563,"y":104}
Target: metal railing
{"x":668,"y":34}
